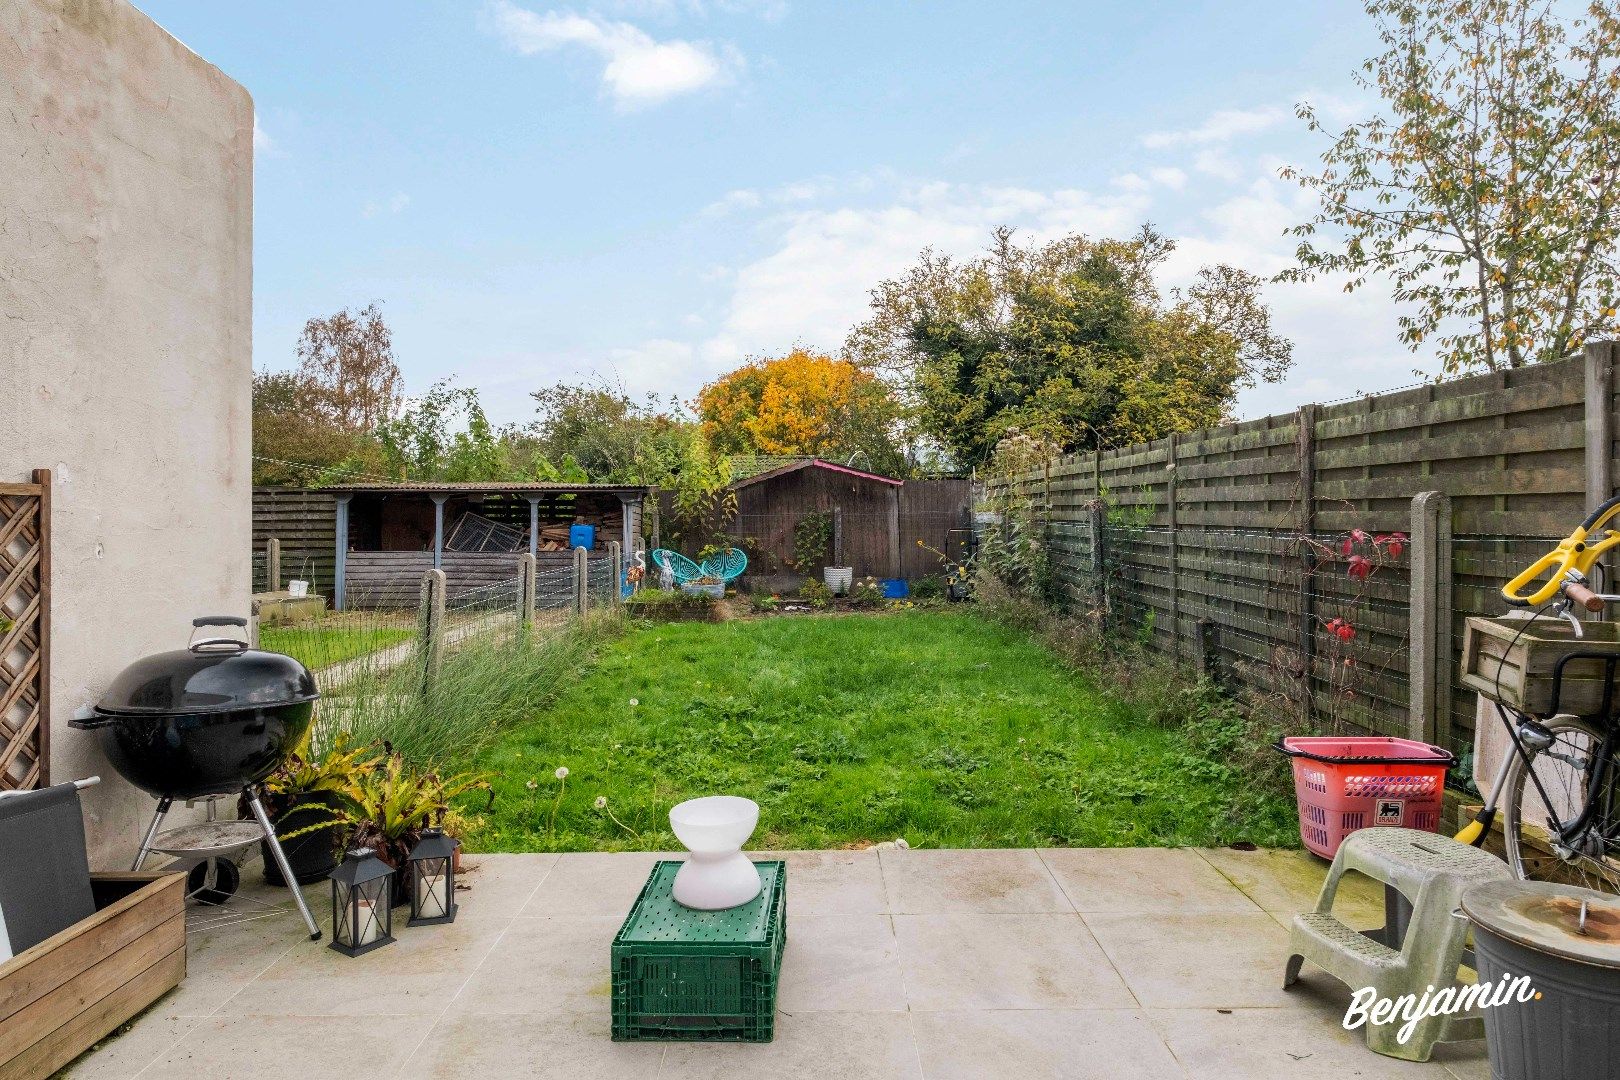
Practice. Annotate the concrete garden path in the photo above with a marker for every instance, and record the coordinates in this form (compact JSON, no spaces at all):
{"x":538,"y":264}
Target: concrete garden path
{"x":1116,"y":964}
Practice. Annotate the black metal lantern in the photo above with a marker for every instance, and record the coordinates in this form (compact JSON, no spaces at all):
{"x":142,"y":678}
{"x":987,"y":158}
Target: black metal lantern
{"x":433,"y":879}
{"x":362,"y":903}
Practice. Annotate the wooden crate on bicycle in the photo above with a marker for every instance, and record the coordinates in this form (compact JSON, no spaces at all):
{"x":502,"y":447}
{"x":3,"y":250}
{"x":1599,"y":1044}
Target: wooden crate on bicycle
{"x":1514,"y":661}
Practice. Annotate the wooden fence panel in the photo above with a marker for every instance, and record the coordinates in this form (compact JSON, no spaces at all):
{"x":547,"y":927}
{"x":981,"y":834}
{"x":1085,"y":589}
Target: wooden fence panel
{"x":1207,"y":550}
{"x":306,"y":524}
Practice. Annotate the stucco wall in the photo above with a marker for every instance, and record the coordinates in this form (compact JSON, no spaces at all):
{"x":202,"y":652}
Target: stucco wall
{"x":125,"y":346}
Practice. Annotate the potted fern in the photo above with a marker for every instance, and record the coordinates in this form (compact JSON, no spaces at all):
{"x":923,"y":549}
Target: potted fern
{"x":308,"y":786}
{"x":393,"y":803}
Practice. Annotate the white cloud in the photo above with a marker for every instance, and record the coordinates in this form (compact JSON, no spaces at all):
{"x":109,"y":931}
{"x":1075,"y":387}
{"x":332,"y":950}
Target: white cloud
{"x":812,"y":189}
{"x":1220,"y":128}
{"x":262,"y":142}
{"x":637,"y":70}
{"x":811,"y":283}
{"x":1170,"y":177}
{"x":392,"y":205}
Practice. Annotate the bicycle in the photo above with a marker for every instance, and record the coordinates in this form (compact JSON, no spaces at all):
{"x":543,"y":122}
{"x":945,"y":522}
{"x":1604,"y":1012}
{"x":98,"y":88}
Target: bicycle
{"x":1558,"y":791}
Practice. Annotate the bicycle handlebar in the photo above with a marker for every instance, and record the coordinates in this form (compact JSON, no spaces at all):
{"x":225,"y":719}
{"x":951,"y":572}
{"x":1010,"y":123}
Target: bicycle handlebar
{"x":1574,"y":553}
{"x":1581,"y":595}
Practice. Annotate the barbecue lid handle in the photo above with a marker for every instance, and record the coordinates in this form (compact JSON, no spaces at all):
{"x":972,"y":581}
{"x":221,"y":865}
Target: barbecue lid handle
{"x":238,"y":644}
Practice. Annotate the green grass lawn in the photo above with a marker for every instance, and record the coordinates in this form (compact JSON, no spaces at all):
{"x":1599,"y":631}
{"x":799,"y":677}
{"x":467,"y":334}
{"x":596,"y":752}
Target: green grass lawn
{"x":940,"y":727}
{"x":331,"y":640}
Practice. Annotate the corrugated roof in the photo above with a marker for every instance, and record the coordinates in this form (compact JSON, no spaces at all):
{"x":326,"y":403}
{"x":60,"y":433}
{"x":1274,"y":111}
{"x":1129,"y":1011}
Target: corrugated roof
{"x":806,"y":463}
{"x":518,"y":488}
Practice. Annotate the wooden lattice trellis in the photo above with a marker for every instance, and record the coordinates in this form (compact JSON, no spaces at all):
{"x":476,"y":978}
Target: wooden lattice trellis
{"x":25,"y":631}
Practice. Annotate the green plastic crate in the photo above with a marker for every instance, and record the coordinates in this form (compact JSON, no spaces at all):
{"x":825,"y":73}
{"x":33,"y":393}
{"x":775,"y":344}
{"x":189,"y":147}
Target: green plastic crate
{"x":692,"y":976}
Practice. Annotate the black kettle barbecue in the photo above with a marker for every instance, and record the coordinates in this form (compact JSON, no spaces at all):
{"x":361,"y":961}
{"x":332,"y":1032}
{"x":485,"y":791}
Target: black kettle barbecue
{"x":214,"y":718}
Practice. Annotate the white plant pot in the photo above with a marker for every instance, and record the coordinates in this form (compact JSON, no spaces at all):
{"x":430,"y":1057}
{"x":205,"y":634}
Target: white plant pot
{"x":717,"y":875}
{"x":838,"y":578}
{"x":297,"y":590}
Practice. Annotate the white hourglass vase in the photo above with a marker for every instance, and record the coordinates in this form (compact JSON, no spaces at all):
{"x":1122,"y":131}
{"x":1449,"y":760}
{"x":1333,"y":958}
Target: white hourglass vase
{"x":717,"y":875}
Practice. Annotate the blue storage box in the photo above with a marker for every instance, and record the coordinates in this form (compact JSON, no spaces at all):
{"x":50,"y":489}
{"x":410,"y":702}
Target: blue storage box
{"x":581,"y":536}
{"x":895,"y":588}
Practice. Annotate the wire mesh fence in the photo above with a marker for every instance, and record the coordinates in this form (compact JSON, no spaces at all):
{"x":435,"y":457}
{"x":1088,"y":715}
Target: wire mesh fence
{"x":1323,"y":622}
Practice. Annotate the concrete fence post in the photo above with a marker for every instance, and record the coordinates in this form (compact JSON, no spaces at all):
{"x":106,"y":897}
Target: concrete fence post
{"x":1429,"y":640}
{"x":430,"y":629}
{"x":1099,"y":560}
{"x":582,"y":570}
{"x":1600,"y":434}
{"x":272,"y":565}
{"x":526,"y":576}
{"x":1174,"y":552}
{"x":1208,"y":646}
{"x":1305,"y":452}
{"x":616,"y":565}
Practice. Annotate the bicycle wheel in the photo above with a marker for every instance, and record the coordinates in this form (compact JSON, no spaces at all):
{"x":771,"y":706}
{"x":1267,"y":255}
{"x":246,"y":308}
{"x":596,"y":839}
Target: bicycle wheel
{"x":1532,"y":813}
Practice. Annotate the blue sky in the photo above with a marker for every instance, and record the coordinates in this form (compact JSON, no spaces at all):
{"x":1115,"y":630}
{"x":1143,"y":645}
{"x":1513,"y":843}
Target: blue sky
{"x":653,"y":190}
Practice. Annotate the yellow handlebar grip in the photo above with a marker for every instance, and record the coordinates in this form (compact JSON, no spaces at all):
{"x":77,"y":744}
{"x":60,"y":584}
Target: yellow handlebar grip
{"x":1558,"y":560}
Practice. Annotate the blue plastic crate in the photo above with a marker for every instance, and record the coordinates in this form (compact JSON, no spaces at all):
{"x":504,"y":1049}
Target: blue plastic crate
{"x":896,"y":588}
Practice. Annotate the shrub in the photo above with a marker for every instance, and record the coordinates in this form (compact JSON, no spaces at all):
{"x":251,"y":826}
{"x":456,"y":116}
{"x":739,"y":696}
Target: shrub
{"x":669,"y":604}
{"x":866,"y":594}
{"x":815,"y":592}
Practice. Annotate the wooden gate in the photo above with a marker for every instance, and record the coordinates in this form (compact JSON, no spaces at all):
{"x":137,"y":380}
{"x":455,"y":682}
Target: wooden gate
{"x":25,"y":631}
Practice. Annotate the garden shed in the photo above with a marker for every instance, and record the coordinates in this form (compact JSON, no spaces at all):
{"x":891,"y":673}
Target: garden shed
{"x":386,"y":536}
{"x":870,"y":522}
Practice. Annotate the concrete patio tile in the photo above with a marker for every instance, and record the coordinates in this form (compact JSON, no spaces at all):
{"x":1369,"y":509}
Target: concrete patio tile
{"x":841,"y":963}
{"x":415,"y":975}
{"x":1221,"y":960}
{"x":936,"y":882}
{"x":223,"y":960}
{"x":832,"y":882}
{"x":1286,"y":883}
{"x":277,"y":1047}
{"x":808,"y":1046}
{"x":1142,"y":880}
{"x":1078,"y":1044}
{"x":1280,"y":1044}
{"x":118,"y":1057}
{"x":965,"y":962}
{"x":561,"y":1045}
{"x":499,"y":885}
{"x":542,"y":966}
{"x":593,"y":883}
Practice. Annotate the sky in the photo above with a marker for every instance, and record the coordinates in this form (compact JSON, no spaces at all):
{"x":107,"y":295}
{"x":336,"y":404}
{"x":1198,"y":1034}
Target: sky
{"x":652,"y":191}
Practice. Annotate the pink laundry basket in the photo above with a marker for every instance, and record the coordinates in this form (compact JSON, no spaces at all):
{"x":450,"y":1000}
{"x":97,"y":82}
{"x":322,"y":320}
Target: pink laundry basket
{"x":1345,"y":784}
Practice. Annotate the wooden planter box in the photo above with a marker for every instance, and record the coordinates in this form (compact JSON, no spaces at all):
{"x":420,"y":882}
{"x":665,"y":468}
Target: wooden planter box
{"x":59,"y":997}
{"x":1512,"y":661}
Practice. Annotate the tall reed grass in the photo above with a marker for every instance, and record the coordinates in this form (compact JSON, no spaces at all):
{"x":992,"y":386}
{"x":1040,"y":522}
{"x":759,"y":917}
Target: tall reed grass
{"x":487,"y":683}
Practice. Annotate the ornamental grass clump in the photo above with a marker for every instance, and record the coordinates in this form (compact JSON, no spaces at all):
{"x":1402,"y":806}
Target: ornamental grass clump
{"x":486,"y":684}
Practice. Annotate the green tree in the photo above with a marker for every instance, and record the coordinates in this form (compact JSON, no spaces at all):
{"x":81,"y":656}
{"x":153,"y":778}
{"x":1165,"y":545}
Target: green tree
{"x":295,"y":441}
{"x":612,"y":437}
{"x":444,"y":435}
{"x":1070,"y":342}
{"x":1484,"y":192}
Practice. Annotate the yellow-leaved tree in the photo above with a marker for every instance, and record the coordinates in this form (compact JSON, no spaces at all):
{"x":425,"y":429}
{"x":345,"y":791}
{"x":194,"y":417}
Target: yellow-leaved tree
{"x":803,"y":403}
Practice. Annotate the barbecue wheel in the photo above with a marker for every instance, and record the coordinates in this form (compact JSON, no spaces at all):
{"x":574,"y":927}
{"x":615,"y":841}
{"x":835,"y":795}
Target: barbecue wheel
{"x":226,"y":879}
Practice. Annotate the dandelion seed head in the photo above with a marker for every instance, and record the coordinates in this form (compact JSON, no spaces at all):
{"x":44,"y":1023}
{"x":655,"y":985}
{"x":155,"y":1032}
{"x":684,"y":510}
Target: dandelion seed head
{"x":562,"y":772}
{"x":601,"y":802}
